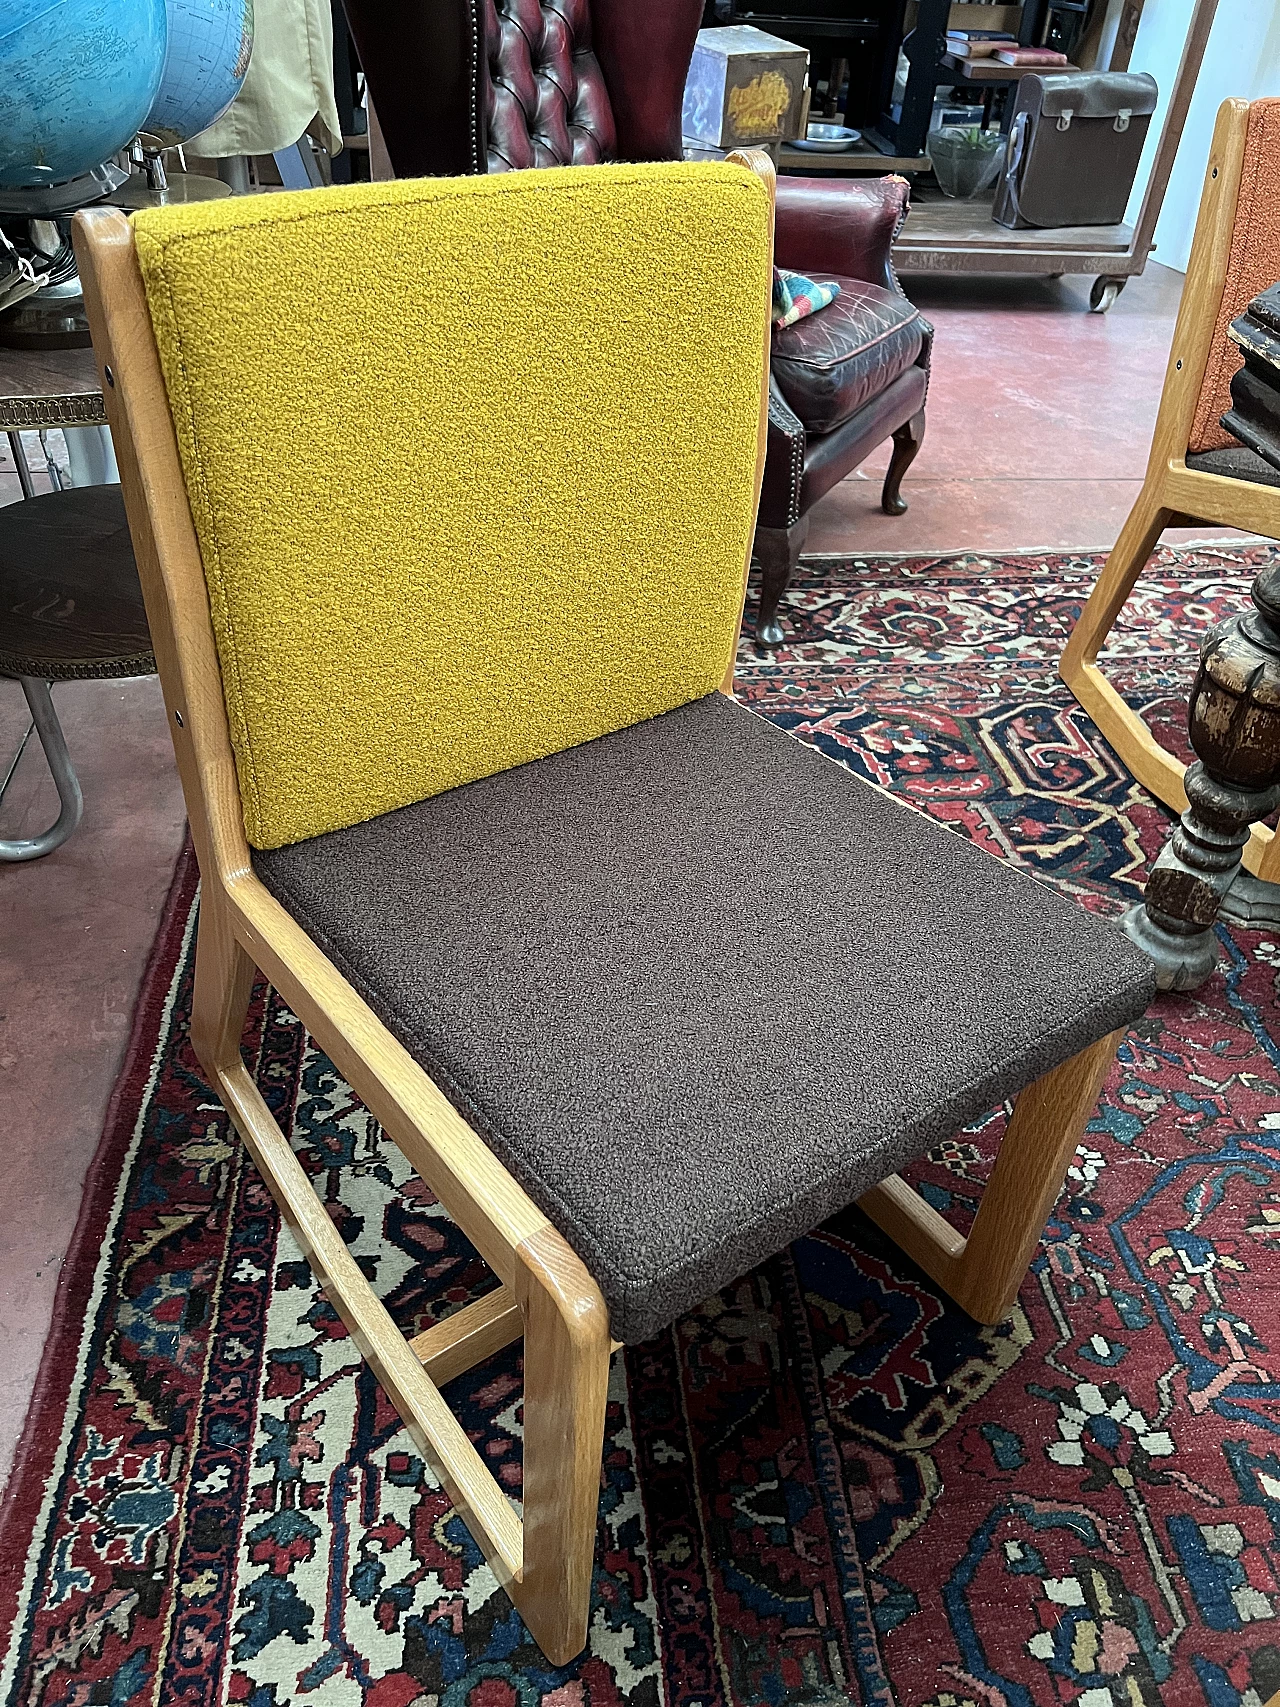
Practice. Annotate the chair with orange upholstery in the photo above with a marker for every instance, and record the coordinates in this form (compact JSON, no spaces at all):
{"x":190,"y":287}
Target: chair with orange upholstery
{"x":1197,"y":472}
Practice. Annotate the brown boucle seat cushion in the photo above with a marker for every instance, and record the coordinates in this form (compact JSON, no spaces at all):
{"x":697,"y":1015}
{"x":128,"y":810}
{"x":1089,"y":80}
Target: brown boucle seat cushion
{"x":699,"y":987}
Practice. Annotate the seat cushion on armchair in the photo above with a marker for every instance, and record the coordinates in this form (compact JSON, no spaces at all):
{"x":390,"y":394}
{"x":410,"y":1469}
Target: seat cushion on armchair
{"x":833,"y":362}
{"x":698,"y":986}
{"x":1236,"y":462}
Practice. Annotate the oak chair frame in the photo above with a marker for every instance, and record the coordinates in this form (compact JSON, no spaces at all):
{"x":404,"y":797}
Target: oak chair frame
{"x":546,"y":1293}
{"x":1174,"y":495}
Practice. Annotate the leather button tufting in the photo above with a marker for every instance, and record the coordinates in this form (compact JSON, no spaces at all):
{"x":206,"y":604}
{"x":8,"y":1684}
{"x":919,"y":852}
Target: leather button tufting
{"x":548,"y":104}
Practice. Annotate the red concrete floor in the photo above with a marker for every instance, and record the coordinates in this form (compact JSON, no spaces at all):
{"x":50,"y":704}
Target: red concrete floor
{"x":1039,"y":421}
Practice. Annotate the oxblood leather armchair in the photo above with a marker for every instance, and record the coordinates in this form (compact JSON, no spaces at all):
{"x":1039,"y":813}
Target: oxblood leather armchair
{"x":463,"y":86}
{"x":845,"y":379}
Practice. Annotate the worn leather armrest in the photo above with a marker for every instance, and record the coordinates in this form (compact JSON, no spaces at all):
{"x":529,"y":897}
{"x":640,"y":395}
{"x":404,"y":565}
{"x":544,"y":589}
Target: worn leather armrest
{"x":784,"y":463}
{"x":845,"y":227}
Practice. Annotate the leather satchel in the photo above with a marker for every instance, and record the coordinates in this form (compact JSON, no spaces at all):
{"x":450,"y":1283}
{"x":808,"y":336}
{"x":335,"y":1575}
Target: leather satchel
{"x":1074,"y":144}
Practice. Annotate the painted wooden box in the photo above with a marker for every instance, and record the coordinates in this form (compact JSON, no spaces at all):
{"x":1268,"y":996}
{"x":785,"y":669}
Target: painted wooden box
{"x":744,"y":86}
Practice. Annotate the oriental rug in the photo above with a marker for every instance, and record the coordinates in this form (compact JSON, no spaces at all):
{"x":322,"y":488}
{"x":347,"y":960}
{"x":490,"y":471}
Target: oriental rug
{"x":826,"y":1484}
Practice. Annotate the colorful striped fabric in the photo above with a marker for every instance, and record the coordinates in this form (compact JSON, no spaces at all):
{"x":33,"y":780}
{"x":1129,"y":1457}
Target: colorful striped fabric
{"x":794,"y":296}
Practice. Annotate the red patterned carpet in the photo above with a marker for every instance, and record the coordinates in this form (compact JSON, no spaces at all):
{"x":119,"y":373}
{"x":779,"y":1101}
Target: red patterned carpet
{"x":826,"y":1484}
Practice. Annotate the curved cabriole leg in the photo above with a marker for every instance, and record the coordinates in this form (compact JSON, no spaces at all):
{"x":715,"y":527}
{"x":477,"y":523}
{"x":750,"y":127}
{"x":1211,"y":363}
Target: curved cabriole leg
{"x":777,"y":550}
{"x":906,"y":447}
{"x":1234,"y":724}
{"x":71,"y":800}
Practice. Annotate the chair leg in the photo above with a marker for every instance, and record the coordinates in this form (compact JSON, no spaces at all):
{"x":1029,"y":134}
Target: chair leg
{"x":546,"y":1564}
{"x":906,"y":447}
{"x":45,"y":718}
{"x":1129,"y":556}
{"x":566,"y":1381}
{"x":223,"y":985}
{"x":983,"y":1272}
{"x":777,"y":549}
{"x":1047,"y":1123}
{"x":1152,"y":765}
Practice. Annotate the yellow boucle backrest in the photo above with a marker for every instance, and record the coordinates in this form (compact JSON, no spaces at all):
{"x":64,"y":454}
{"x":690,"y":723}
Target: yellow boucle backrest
{"x":471,"y":462}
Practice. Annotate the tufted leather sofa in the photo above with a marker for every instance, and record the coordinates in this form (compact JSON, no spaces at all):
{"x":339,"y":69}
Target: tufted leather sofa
{"x":464,"y":86}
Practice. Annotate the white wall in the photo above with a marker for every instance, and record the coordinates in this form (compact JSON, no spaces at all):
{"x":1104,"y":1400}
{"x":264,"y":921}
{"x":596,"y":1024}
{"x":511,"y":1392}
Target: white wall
{"x":1242,"y":58}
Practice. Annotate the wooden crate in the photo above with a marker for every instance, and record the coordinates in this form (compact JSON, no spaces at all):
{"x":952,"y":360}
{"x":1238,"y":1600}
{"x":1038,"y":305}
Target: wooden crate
{"x":743,"y":87}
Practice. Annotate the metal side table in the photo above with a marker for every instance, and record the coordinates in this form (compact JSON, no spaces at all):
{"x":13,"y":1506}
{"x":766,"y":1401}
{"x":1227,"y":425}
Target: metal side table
{"x":70,"y":602}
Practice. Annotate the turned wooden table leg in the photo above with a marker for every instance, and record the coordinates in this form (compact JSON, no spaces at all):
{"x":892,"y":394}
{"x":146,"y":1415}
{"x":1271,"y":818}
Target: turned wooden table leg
{"x":1254,"y":419}
{"x":1234,"y":723}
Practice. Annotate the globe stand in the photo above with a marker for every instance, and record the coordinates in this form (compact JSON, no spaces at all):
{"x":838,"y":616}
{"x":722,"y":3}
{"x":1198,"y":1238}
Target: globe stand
{"x":41,"y":200}
{"x":182,"y":187}
{"x":53,"y":317}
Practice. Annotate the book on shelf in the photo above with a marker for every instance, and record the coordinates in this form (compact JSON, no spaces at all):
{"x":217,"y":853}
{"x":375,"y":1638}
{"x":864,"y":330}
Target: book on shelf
{"x":971,"y":49}
{"x":1046,"y":56}
{"x":980,"y":35}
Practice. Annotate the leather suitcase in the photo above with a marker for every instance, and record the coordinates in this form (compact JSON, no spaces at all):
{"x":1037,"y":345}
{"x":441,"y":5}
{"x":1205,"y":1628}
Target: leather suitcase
{"x":1073,"y":150}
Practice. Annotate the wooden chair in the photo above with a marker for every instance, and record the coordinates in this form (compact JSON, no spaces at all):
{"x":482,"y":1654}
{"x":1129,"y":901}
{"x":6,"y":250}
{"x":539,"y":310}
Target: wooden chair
{"x":1196,"y":471}
{"x":629,"y":975}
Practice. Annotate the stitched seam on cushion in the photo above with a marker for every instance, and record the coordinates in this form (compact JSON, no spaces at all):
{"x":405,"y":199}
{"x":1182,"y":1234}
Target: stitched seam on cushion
{"x":217,"y":547}
{"x":502,"y":187}
{"x":99,"y":670}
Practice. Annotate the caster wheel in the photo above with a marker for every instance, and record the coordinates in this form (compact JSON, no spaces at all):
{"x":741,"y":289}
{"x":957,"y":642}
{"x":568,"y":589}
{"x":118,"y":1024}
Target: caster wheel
{"x":769,"y":638}
{"x":1104,"y":293}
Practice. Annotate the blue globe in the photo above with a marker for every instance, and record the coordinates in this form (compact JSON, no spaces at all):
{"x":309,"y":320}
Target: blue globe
{"x":208,"y":54}
{"x":77,"y":78}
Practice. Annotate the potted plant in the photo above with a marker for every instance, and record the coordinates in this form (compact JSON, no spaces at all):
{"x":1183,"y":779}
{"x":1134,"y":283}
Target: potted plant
{"x":965,"y":158}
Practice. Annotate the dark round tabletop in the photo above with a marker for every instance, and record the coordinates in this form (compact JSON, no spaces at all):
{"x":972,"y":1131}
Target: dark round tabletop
{"x":70,"y":603}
